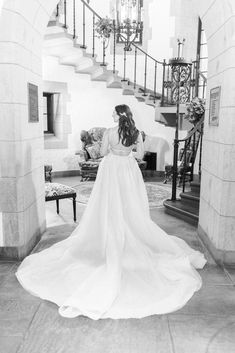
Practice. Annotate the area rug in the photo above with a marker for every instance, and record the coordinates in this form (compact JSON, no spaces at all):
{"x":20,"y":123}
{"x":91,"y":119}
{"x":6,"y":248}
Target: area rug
{"x":156,"y":193}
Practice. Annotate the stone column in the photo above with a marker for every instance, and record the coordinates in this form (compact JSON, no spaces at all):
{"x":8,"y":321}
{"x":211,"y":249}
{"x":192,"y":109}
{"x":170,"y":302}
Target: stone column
{"x":22,"y":205}
{"x":217,"y":201}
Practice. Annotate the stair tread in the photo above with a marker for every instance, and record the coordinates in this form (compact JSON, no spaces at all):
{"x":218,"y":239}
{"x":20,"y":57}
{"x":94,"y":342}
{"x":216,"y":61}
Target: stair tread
{"x":190,"y":195}
{"x":89,"y":69}
{"x":179,"y":206}
{"x":195,"y":183}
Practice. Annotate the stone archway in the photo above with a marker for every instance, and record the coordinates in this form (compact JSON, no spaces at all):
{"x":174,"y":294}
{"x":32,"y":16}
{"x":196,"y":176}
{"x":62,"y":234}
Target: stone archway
{"x":22,"y":216}
{"x":22,"y":205}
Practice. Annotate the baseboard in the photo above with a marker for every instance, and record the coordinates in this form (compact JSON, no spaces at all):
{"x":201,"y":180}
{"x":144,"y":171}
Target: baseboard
{"x":153,"y":173}
{"x":18,"y":253}
{"x":65,"y":173}
{"x":221,"y":257}
{"x":70,"y":173}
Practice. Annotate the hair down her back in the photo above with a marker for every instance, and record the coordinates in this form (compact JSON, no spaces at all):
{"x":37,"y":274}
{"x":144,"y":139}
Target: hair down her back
{"x":127,"y":131}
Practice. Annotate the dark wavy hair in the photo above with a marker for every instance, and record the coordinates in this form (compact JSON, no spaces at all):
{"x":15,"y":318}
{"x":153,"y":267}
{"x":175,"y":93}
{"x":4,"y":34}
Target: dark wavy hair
{"x":127,"y":131}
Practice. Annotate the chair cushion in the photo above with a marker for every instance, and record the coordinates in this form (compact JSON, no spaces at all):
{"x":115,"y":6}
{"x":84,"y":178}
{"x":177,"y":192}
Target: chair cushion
{"x":97,"y":133}
{"x":94,"y":150}
{"x":56,"y":189}
{"x":90,"y":164}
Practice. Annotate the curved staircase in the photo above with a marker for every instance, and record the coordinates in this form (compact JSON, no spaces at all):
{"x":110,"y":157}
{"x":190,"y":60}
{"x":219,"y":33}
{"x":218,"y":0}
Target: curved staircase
{"x":58,"y":42}
{"x":187,"y":207}
{"x":136,"y":73}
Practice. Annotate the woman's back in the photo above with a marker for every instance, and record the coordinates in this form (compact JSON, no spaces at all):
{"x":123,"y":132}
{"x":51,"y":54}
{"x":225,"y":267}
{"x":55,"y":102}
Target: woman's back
{"x":116,"y":145}
{"x":111,"y":142}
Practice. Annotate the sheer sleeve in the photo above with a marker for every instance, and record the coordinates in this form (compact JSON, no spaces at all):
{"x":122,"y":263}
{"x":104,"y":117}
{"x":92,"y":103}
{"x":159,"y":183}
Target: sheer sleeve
{"x":104,"y":149}
{"x":139,"y":154}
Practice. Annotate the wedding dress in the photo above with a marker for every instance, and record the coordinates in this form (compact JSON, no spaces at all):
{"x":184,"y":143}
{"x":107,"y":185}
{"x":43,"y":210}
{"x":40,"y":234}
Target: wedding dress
{"x":117,"y":263}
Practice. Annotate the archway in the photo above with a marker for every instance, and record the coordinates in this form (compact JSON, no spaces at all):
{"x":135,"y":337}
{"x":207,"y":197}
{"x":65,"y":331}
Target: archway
{"x":22,"y":214}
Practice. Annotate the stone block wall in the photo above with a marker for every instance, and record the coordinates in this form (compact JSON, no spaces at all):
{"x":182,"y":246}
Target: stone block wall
{"x":22,"y":205}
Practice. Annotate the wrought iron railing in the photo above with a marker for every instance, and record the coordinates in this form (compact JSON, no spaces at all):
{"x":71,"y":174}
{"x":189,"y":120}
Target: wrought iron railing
{"x":188,"y":154}
{"x":189,"y":85}
{"x":155,"y":80}
{"x":148,"y":82}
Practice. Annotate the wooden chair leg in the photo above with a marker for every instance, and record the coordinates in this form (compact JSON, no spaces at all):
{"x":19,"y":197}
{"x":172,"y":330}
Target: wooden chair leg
{"x":57,"y":206}
{"x":74,"y":209}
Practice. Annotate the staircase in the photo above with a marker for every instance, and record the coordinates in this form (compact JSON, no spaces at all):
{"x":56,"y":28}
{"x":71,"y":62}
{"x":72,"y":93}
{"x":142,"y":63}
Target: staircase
{"x":71,"y":38}
{"x":187,"y":207}
{"x":58,"y":42}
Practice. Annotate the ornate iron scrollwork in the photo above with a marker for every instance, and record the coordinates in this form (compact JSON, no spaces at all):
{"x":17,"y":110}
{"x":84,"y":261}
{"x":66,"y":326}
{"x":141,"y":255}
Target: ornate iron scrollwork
{"x":181,"y":83}
{"x":178,"y":82}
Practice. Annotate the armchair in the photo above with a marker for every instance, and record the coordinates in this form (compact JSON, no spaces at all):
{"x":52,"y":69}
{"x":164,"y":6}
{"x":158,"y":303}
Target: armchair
{"x":91,"y":143}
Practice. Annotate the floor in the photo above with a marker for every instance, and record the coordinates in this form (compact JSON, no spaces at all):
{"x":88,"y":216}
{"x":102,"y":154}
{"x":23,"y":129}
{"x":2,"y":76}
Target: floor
{"x":205,"y":325}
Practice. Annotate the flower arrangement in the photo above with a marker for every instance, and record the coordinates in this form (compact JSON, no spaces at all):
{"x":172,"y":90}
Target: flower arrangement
{"x":195,"y":110}
{"x":104,"y":27}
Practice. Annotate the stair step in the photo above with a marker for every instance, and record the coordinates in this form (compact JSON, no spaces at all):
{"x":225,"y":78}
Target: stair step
{"x":150,"y":101}
{"x":140,"y":97}
{"x":178,"y":209}
{"x":128,"y":91}
{"x":190,"y":198}
{"x":72,"y":60}
{"x":57,"y":50}
{"x":103,"y":75}
{"x":57,"y":38}
{"x":88,"y":70}
{"x":114,"y":81}
{"x":195,"y":186}
{"x":55,"y":27}
{"x":90,"y":56}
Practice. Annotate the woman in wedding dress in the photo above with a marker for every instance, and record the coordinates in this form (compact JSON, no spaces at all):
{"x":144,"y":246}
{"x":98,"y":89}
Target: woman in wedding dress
{"x":117,"y":263}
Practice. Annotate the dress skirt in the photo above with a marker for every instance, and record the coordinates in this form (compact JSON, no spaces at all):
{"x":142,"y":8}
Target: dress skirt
{"x":117,"y":263}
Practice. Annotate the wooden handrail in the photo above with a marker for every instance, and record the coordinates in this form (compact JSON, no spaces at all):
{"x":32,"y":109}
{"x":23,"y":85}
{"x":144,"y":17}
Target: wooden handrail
{"x":193,"y":130}
{"x":91,"y":9}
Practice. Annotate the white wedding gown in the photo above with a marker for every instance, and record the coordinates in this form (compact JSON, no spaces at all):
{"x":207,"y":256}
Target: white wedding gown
{"x":117,"y":263}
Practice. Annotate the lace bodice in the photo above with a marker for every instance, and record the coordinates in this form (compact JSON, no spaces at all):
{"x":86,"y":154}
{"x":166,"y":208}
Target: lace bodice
{"x":111,"y":143}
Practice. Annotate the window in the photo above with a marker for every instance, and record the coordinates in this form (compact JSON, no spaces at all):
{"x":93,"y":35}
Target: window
{"x":57,"y":123}
{"x":48,"y":112}
{"x":202,"y":57}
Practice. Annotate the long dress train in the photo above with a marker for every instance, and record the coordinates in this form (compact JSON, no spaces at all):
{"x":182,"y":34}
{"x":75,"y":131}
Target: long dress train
{"x":117,"y":263}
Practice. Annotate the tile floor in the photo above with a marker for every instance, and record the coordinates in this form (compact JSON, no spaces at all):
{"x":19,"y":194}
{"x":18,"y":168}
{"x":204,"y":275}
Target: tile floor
{"x":205,"y":325}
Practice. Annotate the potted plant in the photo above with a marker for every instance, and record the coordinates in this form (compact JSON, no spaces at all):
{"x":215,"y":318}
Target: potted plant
{"x":104,"y":28}
{"x":195,"y":110}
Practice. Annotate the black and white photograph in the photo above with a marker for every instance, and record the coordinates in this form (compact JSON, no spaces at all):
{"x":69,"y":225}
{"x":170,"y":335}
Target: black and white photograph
{"x":117,"y":164}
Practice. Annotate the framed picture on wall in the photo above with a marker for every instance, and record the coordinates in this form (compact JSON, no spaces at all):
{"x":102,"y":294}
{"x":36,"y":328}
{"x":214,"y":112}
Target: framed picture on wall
{"x":214,"y":106}
{"x":33,"y":103}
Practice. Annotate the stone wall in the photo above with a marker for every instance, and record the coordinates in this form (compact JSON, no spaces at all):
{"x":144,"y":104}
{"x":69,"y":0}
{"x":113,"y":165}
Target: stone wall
{"x":217,"y":202}
{"x":22,"y":205}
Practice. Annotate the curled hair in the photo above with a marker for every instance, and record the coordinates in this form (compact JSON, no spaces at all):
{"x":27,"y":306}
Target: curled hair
{"x":127,"y":131}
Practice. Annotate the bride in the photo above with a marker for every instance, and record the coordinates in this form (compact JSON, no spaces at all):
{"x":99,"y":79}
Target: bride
{"x":117,"y":263}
